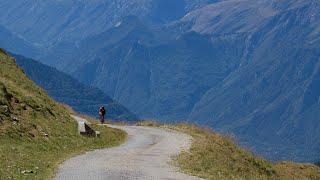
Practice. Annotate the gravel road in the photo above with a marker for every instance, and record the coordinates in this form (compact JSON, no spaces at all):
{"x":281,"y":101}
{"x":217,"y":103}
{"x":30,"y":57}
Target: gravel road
{"x":147,"y":154}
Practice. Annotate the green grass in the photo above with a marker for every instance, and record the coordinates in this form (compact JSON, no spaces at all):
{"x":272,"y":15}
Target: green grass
{"x":36,"y":133}
{"x":213,"y":156}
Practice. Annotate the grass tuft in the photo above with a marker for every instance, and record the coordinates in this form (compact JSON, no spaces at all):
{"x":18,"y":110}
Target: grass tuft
{"x":150,"y":123}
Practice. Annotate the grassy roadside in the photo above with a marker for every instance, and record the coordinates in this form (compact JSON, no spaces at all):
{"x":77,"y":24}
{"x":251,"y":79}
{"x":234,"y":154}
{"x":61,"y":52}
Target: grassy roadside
{"x":213,"y":156}
{"x":29,"y":159}
{"x":36,"y":133}
{"x":109,"y":137}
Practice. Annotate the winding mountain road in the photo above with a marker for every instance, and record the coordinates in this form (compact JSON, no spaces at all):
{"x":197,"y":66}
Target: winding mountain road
{"x":147,"y":154}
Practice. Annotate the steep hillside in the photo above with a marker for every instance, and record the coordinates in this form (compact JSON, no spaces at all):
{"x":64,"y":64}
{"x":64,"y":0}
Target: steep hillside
{"x":65,"y":89}
{"x":36,"y":133}
{"x":271,"y":101}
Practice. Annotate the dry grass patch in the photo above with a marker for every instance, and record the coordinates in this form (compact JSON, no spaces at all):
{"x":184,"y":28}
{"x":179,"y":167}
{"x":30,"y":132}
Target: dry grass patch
{"x":213,"y":156}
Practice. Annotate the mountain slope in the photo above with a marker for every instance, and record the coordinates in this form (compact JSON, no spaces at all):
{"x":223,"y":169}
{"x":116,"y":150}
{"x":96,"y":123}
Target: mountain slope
{"x":65,"y":89}
{"x":272,"y":99}
{"x":131,"y":62}
{"x":36,"y":133}
{"x":14,"y":43}
{"x":241,"y":67}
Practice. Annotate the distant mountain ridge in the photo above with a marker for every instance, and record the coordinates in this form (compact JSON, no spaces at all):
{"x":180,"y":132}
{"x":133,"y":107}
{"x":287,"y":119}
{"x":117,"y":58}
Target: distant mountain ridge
{"x":74,"y":19}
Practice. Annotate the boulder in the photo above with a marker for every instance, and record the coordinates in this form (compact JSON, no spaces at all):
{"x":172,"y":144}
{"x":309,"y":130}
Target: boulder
{"x":85,"y":129}
{"x":97,"y":134}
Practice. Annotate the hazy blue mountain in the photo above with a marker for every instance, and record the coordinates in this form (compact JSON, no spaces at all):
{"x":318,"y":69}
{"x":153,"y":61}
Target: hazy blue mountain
{"x":242,"y":67}
{"x":162,"y":80}
{"x":57,"y":26}
{"x":65,"y":89}
{"x":272,"y":99}
{"x":14,"y":43}
{"x":249,"y":68}
{"x":129,"y":27}
{"x":71,"y":20}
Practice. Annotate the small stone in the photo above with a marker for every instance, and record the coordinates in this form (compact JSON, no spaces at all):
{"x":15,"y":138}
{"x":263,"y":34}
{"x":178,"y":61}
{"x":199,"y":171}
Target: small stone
{"x":27,"y":172}
{"x":4,"y":109}
{"x":97,"y":134}
{"x":46,"y":135}
{"x":15,"y":120}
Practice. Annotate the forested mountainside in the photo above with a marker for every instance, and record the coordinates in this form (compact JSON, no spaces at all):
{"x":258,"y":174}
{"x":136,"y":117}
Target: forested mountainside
{"x":249,"y":68}
{"x":65,"y":89}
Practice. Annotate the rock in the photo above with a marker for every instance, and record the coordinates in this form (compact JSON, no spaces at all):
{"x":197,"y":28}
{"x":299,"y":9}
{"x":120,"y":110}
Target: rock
{"x":15,"y":119}
{"x":27,"y":172}
{"x":97,"y":133}
{"x":46,"y":136}
{"x":85,"y":129}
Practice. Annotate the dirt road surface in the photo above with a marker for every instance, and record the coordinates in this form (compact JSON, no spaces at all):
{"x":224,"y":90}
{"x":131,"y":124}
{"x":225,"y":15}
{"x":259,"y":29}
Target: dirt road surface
{"x":147,"y":154}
